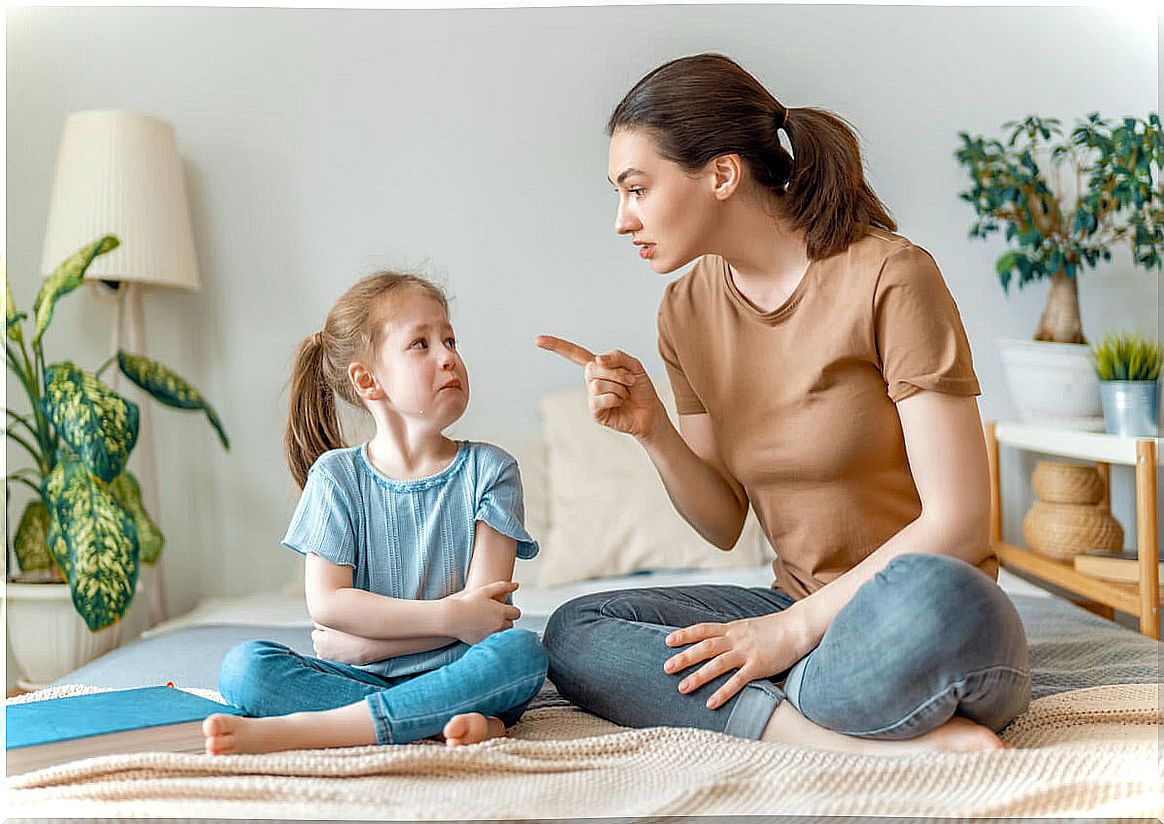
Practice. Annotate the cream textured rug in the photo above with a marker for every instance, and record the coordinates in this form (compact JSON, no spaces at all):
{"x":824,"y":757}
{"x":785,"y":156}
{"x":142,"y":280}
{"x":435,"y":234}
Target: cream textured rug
{"x":1089,"y":752}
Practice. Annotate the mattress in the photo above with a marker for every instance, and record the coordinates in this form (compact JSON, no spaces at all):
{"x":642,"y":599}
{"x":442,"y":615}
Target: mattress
{"x":1070,"y":648}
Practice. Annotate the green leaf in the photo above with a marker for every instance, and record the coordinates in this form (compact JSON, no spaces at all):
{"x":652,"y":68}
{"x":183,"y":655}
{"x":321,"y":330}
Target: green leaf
{"x":167,"y":387}
{"x":67,"y":277}
{"x":12,"y":318}
{"x":30,"y":542}
{"x":94,"y":542}
{"x":98,"y":424}
{"x":149,"y":538}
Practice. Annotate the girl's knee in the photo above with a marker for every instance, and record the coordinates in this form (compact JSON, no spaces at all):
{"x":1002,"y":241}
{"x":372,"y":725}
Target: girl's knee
{"x":245,"y":670}
{"x":521,"y":645}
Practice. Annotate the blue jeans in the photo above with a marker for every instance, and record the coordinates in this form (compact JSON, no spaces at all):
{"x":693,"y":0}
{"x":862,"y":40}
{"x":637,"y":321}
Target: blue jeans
{"x":498,"y":676}
{"x":929,"y":636}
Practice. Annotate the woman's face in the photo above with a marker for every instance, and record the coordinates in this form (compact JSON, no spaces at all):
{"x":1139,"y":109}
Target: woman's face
{"x":667,"y":212}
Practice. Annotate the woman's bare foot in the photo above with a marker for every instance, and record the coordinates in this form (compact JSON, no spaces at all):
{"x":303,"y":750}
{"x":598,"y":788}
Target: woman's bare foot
{"x":472,"y":728}
{"x":349,"y":726}
{"x":788,"y":726}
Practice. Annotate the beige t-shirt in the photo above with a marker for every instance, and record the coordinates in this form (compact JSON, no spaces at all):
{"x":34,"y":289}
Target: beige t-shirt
{"x":802,"y":398}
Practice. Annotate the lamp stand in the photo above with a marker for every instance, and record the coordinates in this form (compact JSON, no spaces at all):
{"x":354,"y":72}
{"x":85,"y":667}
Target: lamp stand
{"x":129,"y":303}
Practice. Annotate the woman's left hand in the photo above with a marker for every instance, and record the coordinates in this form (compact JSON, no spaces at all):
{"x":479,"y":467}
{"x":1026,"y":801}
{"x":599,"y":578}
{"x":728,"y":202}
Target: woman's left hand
{"x":753,"y":647}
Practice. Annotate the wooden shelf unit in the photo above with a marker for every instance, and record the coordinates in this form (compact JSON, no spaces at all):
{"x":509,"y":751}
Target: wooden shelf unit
{"x":1141,"y":599}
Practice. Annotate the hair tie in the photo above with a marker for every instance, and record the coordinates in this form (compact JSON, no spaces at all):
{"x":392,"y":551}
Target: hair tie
{"x":317,"y":338}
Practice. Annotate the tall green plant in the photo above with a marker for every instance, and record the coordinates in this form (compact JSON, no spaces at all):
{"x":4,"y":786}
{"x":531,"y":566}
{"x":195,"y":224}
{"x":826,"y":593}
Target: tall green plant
{"x":87,"y":519}
{"x":1118,"y":198}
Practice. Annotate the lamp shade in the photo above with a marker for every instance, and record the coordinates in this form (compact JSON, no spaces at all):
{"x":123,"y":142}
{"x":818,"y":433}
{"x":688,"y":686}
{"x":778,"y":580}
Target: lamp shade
{"x":119,"y":173}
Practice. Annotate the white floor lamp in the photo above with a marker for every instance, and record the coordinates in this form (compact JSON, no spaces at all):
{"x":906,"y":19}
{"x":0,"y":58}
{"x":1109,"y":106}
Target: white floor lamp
{"x":119,"y":173}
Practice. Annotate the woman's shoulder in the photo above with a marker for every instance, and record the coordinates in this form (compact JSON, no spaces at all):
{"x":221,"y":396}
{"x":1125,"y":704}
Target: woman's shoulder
{"x":879,"y":246}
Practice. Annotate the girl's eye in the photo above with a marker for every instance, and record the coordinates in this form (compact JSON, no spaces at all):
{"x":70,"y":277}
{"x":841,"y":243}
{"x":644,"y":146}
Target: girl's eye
{"x":420,"y":343}
{"x":636,"y":191}
{"x":452,"y":342}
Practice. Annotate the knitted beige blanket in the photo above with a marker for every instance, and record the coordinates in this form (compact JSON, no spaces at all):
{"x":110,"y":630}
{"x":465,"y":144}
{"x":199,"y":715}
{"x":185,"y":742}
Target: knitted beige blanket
{"x":1089,"y":752}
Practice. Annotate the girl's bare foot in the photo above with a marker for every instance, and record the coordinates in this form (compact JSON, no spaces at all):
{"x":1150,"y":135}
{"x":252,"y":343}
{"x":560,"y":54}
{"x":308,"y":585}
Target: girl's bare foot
{"x":472,"y":728}
{"x":788,"y":726}
{"x":349,"y":726}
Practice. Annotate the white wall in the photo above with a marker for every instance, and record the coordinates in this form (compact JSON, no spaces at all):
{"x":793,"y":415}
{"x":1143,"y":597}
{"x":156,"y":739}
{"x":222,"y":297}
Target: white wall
{"x":322,"y":144}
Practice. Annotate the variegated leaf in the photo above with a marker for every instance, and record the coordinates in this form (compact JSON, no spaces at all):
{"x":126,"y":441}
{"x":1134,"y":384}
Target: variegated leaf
{"x":94,"y":541}
{"x":167,"y":387}
{"x":30,"y":543}
{"x":12,"y":318}
{"x":149,"y":538}
{"x":98,"y":424}
{"x":67,"y":277}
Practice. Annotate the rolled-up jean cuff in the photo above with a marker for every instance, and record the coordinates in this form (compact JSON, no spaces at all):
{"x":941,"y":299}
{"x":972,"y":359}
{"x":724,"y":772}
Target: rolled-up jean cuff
{"x":383,"y":729}
{"x":754,"y":706}
{"x":793,"y":681}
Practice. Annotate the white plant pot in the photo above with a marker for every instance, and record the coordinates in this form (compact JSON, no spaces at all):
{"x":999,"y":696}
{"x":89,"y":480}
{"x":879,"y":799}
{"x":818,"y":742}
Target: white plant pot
{"x":1053,"y":384}
{"x":46,"y":635}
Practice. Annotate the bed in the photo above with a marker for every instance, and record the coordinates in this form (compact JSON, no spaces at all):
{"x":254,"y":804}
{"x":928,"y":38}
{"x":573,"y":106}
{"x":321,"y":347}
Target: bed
{"x":1088,"y":745}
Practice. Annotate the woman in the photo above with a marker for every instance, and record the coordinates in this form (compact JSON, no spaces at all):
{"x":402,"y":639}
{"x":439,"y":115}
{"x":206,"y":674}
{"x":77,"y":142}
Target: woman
{"x":822,"y":376}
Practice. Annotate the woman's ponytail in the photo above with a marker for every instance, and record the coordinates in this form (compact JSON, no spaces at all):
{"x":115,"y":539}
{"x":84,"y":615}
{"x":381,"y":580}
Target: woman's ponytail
{"x":828,"y":197}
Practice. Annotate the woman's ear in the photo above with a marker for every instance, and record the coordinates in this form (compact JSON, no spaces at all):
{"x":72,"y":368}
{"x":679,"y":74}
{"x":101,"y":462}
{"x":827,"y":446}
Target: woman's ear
{"x":726,"y":172}
{"x":365,"y":383}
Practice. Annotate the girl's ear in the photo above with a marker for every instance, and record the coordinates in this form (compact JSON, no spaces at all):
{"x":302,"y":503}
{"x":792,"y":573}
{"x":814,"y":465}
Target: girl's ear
{"x":364,"y":382}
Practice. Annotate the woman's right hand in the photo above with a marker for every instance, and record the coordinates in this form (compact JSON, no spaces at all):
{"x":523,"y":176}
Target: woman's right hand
{"x":475,"y":613}
{"x":620,"y":394}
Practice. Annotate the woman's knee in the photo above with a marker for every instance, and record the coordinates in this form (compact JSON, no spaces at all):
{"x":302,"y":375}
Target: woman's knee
{"x":953,"y":607}
{"x":568,"y":620}
{"x":246,"y":671}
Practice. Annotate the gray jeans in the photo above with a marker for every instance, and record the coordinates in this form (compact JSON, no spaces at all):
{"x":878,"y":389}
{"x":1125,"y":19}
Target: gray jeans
{"x":927,"y":638}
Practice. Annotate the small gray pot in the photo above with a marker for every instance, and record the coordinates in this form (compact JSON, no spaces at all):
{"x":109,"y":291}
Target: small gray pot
{"x":1131,"y":408}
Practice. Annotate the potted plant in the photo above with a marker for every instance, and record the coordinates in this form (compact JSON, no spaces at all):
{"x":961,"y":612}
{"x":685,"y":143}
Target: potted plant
{"x":1103,"y":190}
{"x":1128,"y":366}
{"x":86,"y":526}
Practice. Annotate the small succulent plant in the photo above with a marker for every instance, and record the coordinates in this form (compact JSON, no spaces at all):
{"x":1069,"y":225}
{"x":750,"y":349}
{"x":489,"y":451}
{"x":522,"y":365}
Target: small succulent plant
{"x":1127,"y":357}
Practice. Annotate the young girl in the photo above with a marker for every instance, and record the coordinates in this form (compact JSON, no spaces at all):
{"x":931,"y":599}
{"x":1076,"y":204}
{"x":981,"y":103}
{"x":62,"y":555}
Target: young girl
{"x":410,"y":542}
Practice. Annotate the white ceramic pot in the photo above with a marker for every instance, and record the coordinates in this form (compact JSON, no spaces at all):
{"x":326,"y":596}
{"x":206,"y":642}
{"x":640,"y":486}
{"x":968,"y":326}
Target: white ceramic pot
{"x":1053,"y":384}
{"x":46,"y":635}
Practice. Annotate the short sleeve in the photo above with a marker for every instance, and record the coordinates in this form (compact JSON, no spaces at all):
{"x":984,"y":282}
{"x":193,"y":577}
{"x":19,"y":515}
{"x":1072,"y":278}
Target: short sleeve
{"x":686,"y":401}
{"x":501,"y":506}
{"x":920,"y":338}
{"x":322,"y":522}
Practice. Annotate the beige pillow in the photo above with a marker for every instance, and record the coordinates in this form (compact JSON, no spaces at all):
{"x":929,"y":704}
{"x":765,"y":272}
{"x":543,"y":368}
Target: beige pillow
{"x":609,"y":513}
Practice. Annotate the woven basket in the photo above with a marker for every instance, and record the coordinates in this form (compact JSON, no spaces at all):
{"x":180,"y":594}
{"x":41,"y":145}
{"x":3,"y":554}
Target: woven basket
{"x":1062,"y":531}
{"x":1057,"y":482}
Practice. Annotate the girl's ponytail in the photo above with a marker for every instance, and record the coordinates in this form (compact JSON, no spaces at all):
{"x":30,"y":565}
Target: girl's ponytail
{"x":313,"y":425}
{"x":828,"y":197}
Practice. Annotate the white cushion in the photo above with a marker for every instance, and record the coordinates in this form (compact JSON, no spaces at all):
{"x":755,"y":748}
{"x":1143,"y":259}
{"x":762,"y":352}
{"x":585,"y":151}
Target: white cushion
{"x":609,"y":513}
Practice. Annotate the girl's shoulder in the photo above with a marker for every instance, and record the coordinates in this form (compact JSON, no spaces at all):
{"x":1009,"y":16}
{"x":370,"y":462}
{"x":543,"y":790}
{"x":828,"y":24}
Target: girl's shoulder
{"x":337,"y":465}
{"x":488,"y":456}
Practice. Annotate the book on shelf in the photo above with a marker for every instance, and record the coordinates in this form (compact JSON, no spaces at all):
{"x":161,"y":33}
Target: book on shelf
{"x":148,"y":719}
{"x":1121,"y":566}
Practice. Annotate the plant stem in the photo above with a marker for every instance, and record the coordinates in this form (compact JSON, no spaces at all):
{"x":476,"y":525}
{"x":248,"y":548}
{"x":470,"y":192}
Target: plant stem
{"x":25,"y":481}
{"x":41,"y":462}
{"x":104,"y":366}
{"x":23,"y":420}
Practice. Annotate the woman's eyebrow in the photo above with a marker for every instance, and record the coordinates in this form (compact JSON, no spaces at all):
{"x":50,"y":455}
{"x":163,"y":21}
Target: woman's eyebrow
{"x":625,"y":174}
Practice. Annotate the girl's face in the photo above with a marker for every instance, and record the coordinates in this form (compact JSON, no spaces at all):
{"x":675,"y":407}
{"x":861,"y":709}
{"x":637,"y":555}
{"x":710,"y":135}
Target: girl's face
{"x":417,"y":364}
{"x":667,"y":212}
